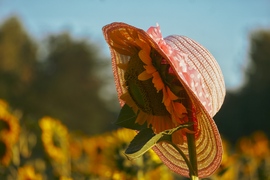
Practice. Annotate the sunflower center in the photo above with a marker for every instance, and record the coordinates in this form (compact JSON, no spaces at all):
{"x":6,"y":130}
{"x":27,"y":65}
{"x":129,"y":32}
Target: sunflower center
{"x":56,"y":140}
{"x":143,"y":93}
{"x":3,"y":149}
{"x":4,"y":125}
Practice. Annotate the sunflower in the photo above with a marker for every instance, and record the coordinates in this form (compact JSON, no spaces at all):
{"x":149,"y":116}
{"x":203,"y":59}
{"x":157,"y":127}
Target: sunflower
{"x":55,"y":139}
{"x":152,"y":89}
{"x":65,"y":178}
{"x":9,"y":133}
{"x":5,"y":151}
{"x":9,"y":127}
{"x":114,"y":154}
{"x":75,"y":146}
{"x":28,"y":173}
{"x":3,"y":106}
{"x":161,"y":172}
{"x":120,"y":166}
{"x":93,"y":147}
{"x":122,"y":135}
{"x":105,"y":154}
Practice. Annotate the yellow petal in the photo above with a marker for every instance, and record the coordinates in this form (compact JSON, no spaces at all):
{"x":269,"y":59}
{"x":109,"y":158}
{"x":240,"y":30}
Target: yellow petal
{"x":143,"y":45}
{"x":179,"y":109}
{"x":144,"y":76}
{"x":157,"y":81}
{"x":157,"y":123}
{"x":166,"y":100}
{"x":141,"y":118}
{"x":172,"y":96}
{"x":145,"y":57}
{"x":150,"y":69}
{"x":176,"y":120}
{"x":129,"y":101}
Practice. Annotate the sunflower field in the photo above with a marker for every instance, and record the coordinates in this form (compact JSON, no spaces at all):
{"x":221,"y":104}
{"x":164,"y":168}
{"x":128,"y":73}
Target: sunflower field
{"x":47,"y":149}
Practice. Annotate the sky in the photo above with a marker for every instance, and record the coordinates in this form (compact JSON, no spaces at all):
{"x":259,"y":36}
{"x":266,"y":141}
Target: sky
{"x":223,"y":27}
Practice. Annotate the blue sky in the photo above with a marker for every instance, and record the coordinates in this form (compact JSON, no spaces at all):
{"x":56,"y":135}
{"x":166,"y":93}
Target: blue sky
{"x":223,"y":27}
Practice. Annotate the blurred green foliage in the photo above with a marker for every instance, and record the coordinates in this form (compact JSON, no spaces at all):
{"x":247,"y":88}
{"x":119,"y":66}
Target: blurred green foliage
{"x":247,"y":109}
{"x":64,"y":82}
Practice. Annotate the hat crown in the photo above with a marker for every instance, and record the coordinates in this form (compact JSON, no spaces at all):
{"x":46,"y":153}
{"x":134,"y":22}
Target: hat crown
{"x":202,"y":61}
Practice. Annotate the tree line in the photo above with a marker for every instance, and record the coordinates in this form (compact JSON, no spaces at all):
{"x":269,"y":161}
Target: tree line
{"x":60,"y":76}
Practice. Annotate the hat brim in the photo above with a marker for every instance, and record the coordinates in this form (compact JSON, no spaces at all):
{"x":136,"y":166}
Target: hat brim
{"x":208,"y":141}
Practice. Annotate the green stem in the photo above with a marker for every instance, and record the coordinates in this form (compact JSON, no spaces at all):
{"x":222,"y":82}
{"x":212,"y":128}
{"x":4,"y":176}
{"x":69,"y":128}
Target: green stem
{"x":194,"y":178}
{"x":191,"y":144}
{"x":191,"y":171}
{"x":192,"y":153}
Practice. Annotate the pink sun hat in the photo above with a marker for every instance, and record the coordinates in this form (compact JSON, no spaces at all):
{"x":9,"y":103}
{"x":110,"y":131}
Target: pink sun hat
{"x":202,"y":79}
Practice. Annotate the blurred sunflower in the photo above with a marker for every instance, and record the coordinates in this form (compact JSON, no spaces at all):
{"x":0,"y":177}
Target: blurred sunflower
{"x":9,"y":133}
{"x":161,"y":172}
{"x":3,"y":106}
{"x":154,"y":156}
{"x":75,"y":146}
{"x":254,"y":159}
{"x":93,"y":148}
{"x":260,"y":145}
{"x":28,"y":173}
{"x":5,"y":151}
{"x":9,"y":127}
{"x":122,"y":135}
{"x":228,"y":167}
{"x":85,"y":156}
{"x":120,"y":166}
{"x":55,"y":139}
{"x":106,"y":159}
{"x":65,"y":178}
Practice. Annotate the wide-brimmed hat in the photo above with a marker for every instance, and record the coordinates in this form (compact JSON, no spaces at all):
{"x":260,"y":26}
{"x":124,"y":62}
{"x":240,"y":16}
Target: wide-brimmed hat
{"x":202,"y":79}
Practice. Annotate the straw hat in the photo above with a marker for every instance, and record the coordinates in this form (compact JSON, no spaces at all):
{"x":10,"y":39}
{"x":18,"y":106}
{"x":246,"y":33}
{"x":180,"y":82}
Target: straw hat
{"x":202,"y":79}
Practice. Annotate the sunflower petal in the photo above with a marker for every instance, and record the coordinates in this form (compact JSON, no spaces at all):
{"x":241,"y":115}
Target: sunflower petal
{"x":143,"y":45}
{"x":145,"y":57}
{"x":141,"y":118}
{"x":157,"y":81}
{"x":144,"y":76}
{"x":127,"y":118}
{"x":150,"y":69}
{"x":172,"y":96}
{"x":179,"y":109}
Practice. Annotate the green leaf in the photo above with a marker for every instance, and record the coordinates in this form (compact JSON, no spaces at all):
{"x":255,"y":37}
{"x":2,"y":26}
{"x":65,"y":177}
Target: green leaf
{"x":127,"y":119}
{"x":146,"y":139}
{"x":141,"y":143}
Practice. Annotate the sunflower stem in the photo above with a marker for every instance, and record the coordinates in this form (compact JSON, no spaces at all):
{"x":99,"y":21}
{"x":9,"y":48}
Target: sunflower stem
{"x":183,"y":155}
{"x":194,"y":178}
{"x":192,"y":153}
{"x":191,"y":145}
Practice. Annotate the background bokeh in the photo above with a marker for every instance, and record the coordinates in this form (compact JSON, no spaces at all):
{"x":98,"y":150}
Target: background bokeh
{"x":54,"y":62}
